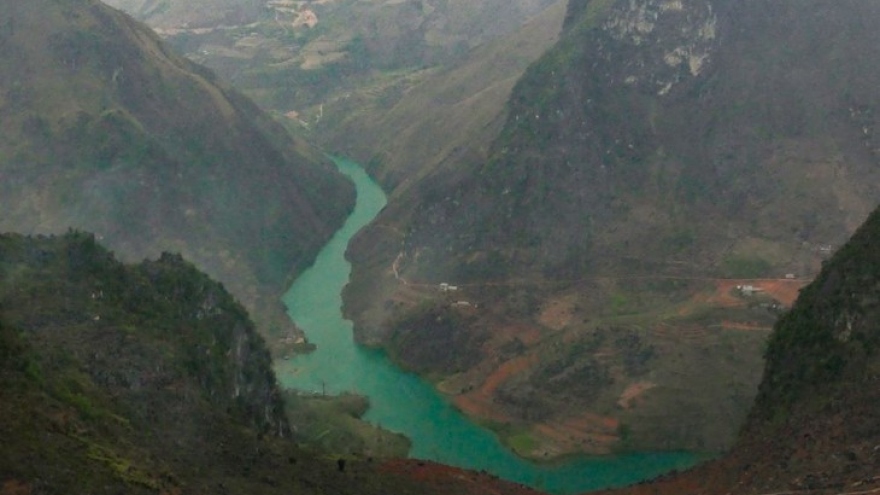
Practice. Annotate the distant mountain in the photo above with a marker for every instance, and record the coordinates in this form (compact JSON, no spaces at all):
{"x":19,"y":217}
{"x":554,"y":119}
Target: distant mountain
{"x":446,"y":112}
{"x":661,"y":155}
{"x":193,"y":14}
{"x":103,"y":128}
{"x":297,"y":56}
{"x":814,"y":424}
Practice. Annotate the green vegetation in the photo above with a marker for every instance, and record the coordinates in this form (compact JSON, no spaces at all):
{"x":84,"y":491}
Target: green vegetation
{"x":619,"y":303}
{"x":521,"y":443}
{"x":422,"y":338}
{"x":149,"y":379}
{"x":331,"y":425}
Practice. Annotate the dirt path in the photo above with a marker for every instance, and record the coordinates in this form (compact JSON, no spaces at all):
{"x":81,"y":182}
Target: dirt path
{"x":783,"y":290}
{"x":745,"y":326}
{"x":505,"y":371}
{"x":480,"y":403}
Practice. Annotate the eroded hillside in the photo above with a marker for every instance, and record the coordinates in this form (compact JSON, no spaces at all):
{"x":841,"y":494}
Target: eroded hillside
{"x":668,"y":176}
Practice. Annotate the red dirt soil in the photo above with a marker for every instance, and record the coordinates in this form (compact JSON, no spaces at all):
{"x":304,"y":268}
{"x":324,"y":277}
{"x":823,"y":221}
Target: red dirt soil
{"x":451,"y":480}
{"x":784,"y":291}
{"x":746,"y":326}
{"x":586,"y":433}
{"x":479,"y":402}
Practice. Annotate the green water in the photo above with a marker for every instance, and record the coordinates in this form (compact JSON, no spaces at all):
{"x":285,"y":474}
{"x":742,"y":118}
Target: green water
{"x":407,"y":404}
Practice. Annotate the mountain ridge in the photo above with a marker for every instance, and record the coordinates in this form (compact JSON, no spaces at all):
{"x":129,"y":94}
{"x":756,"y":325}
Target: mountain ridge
{"x":106,"y":129}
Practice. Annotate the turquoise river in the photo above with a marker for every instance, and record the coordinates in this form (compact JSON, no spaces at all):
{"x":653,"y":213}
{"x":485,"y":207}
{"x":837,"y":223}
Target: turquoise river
{"x":404,"y":402}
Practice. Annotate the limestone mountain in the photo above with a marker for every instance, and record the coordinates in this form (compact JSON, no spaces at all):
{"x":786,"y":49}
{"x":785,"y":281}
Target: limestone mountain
{"x":667,"y":176}
{"x":693,"y":122}
{"x":105,"y":129}
{"x":151,"y":378}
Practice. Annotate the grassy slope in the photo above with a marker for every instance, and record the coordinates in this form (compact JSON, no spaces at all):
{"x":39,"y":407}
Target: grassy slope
{"x":105,"y":129}
{"x":333,"y":424}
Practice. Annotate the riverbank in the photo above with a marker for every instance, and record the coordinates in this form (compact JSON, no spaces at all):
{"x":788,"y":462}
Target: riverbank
{"x":334,"y":425}
{"x":405,"y":403}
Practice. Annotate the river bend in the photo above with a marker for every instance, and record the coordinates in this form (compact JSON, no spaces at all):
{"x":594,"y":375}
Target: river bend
{"x":403,"y":402}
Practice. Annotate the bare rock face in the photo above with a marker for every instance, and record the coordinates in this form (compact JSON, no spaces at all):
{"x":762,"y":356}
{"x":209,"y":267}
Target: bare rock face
{"x":678,"y":38}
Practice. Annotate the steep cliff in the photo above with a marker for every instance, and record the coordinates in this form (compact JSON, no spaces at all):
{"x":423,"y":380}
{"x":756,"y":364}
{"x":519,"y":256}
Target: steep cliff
{"x":650,"y":118}
{"x":129,"y":371}
{"x":662,"y":154}
{"x":105,"y":129}
{"x":148,"y":379}
{"x":814,"y":424}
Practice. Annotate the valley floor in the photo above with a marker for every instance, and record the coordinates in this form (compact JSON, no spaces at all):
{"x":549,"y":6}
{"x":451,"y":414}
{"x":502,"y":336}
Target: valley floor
{"x":712,"y":320}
